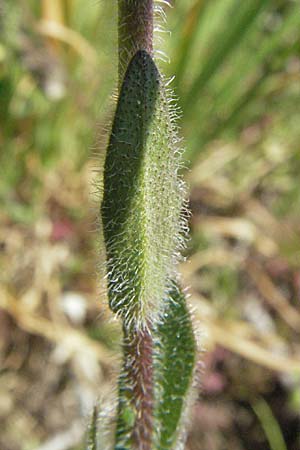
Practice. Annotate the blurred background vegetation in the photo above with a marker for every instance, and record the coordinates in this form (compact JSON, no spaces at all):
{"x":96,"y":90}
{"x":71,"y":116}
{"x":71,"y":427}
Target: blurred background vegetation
{"x":237,"y":78}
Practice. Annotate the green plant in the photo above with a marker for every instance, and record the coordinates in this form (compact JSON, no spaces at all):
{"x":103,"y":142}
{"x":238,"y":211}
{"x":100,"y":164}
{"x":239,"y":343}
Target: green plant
{"x":227,"y":55}
{"x":269,"y":424}
{"x":143,"y":229}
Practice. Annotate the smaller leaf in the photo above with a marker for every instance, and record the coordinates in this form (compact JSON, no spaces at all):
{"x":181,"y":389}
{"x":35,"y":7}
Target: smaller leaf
{"x":175,"y":355}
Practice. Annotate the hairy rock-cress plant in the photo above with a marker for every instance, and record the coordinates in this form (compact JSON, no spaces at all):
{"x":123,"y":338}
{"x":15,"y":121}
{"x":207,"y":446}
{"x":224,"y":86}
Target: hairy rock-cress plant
{"x":142,"y":215}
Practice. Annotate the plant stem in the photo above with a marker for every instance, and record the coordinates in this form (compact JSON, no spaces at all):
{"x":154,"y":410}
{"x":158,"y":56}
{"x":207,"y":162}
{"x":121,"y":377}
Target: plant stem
{"x":136,"y":33}
{"x":139,"y":368}
{"x":135,"y":30}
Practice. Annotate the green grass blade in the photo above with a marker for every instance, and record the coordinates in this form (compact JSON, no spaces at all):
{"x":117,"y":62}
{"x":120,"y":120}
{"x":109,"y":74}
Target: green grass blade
{"x":269,"y":425}
{"x":225,"y":42}
{"x":250,"y":63}
{"x":189,"y":35}
{"x":232,"y":94}
{"x":203,"y":20}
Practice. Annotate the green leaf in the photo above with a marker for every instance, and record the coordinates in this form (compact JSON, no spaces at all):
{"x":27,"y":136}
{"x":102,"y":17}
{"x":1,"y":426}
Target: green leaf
{"x":174,"y":356}
{"x":142,"y":196}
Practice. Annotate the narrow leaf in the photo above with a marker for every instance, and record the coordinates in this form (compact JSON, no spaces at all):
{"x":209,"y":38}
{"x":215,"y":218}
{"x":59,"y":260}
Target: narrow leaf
{"x":175,"y":355}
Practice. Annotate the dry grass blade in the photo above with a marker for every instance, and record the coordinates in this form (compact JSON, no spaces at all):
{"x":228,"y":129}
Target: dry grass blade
{"x":250,"y":350}
{"x":210,"y":257}
{"x":218,"y":333}
{"x":209,"y":164}
{"x":273,"y":296}
{"x":240,"y":229}
{"x":72,"y":339}
{"x":78,"y":43}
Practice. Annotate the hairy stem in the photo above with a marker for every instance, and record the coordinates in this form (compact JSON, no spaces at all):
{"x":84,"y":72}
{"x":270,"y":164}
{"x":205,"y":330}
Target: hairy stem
{"x":141,"y":217}
{"x":136,"y":33}
{"x":139,"y":361}
{"x":135,"y":30}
